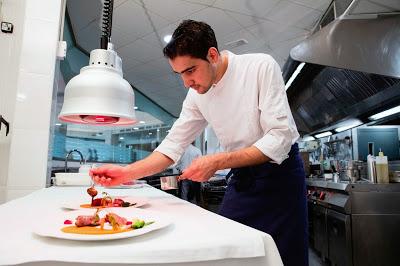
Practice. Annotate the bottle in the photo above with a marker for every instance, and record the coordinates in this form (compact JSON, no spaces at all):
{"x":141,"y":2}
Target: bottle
{"x":382,"y":168}
{"x":371,"y":168}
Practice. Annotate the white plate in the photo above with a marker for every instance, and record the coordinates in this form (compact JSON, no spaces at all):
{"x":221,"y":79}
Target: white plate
{"x":51,"y":227}
{"x":76,"y":205}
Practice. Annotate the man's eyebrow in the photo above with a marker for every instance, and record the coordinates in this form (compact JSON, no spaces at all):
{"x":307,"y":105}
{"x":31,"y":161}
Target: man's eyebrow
{"x":187,"y":69}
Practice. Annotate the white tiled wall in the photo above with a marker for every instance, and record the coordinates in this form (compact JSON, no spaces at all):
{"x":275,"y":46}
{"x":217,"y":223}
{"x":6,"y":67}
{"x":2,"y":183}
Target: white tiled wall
{"x":27,"y":63}
{"x":28,"y":158}
{"x":32,"y":110}
{"x":10,"y":48}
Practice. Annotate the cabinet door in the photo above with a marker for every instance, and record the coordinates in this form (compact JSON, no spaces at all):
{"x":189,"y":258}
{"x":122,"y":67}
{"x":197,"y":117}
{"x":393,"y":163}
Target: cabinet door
{"x":339,"y":238}
{"x":320,"y":233}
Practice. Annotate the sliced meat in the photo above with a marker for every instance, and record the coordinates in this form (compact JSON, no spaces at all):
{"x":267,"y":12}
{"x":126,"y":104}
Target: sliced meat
{"x":118,"y":219}
{"x":118,"y":202}
{"x":97,"y":202}
{"x":87,"y":220}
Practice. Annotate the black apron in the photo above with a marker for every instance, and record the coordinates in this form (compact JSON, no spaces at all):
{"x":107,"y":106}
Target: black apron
{"x":272,"y":198}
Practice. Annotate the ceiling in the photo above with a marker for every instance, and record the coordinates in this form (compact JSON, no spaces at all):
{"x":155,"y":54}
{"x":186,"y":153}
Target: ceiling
{"x":139,"y":26}
{"x":375,"y":7}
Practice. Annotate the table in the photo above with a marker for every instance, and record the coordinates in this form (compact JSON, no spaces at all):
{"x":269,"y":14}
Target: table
{"x":197,"y":237}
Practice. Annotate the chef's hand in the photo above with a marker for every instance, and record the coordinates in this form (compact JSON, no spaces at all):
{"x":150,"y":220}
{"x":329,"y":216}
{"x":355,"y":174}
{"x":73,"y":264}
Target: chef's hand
{"x":110,"y":175}
{"x":200,"y":170}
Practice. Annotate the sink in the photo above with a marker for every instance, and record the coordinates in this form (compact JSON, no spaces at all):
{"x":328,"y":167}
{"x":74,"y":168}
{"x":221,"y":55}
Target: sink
{"x":72,"y":179}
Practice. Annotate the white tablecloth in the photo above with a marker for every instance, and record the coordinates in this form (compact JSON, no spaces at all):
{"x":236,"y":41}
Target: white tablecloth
{"x":196,"y":237}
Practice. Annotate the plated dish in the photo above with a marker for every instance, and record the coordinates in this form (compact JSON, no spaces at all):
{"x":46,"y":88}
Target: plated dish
{"x":105,"y":201}
{"x":101,"y":224}
{"x":134,"y":202}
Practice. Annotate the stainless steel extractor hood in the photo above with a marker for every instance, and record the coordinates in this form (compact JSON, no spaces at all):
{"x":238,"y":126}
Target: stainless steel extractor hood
{"x":321,"y":97}
{"x":352,"y":68}
{"x":363,"y":42}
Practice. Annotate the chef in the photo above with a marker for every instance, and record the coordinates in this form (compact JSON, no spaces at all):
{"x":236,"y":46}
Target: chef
{"x":244,"y":100}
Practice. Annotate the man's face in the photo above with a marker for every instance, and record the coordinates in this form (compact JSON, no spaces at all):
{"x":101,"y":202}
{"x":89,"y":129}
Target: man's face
{"x":196,"y":73}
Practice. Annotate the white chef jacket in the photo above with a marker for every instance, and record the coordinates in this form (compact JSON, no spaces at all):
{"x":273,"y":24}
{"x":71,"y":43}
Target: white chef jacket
{"x":248,"y":106}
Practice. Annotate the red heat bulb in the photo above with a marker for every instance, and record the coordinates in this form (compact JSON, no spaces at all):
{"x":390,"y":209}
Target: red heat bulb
{"x":99,"y":119}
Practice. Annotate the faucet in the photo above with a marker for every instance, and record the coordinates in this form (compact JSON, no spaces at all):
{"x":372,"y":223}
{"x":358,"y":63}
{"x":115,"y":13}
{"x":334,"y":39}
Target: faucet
{"x":67,"y":156}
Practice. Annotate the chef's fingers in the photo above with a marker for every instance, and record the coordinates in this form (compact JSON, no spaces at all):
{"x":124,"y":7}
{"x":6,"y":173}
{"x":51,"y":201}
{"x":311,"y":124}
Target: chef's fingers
{"x":184,"y":175}
{"x":101,"y":169}
{"x":107,"y":182}
{"x":95,"y":171}
{"x":96,"y":179}
{"x":103,"y":180}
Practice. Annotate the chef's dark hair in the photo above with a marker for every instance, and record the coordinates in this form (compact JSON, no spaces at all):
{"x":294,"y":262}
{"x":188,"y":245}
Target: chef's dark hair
{"x":193,"y":38}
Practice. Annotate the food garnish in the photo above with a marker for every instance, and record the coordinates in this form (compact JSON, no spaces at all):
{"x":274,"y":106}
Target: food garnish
{"x":137,"y":223}
{"x":92,"y":192}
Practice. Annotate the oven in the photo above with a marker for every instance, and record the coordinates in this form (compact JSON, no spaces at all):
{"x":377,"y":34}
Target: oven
{"x":331,"y":223}
{"x":355,"y":223}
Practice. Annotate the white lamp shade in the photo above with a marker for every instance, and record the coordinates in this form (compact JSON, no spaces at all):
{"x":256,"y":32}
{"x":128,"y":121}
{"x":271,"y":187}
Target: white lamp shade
{"x":98,"y":95}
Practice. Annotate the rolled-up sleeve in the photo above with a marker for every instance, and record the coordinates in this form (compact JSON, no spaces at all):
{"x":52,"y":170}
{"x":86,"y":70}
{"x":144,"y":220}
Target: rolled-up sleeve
{"x":185,"y":129}
{"x":275,"y":115}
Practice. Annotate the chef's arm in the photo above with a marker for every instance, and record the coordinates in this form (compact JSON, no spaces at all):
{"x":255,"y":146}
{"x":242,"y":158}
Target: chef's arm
{"x":205,"y":167}
{"x":152,"y":164}
{"x":240,"y":158}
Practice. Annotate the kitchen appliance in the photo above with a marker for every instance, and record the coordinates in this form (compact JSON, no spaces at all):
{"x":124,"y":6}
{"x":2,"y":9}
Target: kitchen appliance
{"x":341,"y":216}
{"x":99,"y":95}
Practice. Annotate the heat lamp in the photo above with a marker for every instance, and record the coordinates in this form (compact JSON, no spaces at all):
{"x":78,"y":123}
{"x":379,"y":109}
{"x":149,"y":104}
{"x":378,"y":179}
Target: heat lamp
{"x":100,"y":95}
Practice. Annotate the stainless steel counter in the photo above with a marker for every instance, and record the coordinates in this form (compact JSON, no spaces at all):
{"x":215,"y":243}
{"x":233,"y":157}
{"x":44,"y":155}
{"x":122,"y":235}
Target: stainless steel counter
{"x":347,"y":186}
{"x":319,"y":182}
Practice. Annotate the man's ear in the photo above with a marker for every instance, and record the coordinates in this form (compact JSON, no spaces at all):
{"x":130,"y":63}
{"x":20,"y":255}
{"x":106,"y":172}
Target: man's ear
{"x":213,"y":55}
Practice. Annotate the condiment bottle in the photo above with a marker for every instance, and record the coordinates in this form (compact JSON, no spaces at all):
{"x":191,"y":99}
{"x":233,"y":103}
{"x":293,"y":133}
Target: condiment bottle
{"x":382,"y":168}
{"x":371,"y":163}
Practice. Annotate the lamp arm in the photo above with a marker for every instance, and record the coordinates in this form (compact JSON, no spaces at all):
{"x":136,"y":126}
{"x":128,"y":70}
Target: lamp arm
{"x":108,"y":6}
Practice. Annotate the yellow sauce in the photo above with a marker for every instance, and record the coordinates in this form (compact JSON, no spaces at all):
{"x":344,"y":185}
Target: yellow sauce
{"x":90,"y":206}
{"x":92,"y":230}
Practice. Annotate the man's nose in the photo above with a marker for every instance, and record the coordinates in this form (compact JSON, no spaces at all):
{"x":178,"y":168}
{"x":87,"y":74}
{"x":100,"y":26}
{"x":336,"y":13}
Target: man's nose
{"x":187,"y":82}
